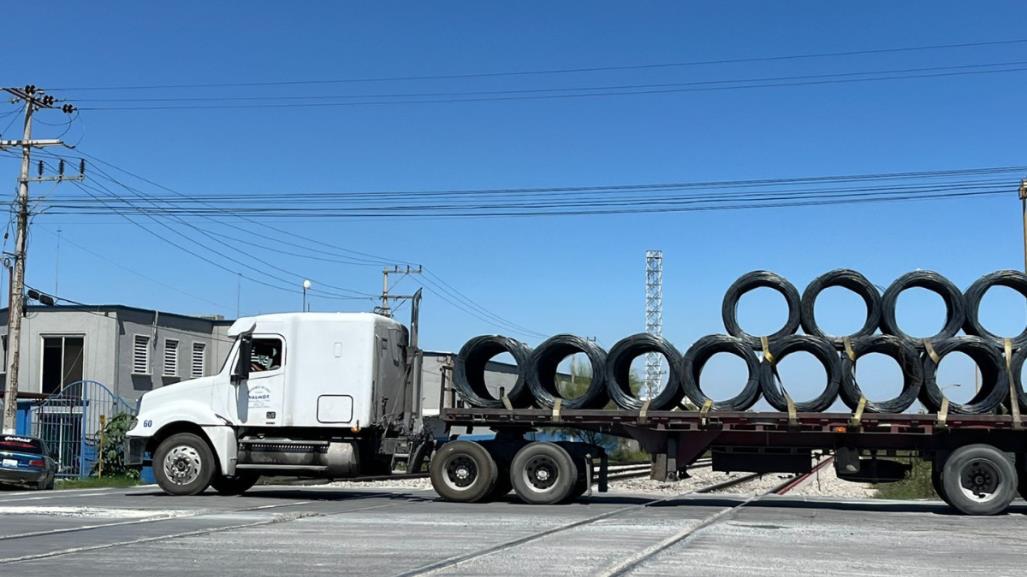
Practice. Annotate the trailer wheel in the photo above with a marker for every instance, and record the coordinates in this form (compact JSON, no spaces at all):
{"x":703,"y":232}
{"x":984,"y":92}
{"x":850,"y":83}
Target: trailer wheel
{"x":543,"y":474}
{"x":463,"y":472}
{"x":235,"y":485}
{"x":183,"y":464}
{"x":979,"y":480}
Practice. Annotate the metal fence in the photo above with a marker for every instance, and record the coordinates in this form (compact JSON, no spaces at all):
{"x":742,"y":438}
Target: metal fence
{"x":69,"y":422}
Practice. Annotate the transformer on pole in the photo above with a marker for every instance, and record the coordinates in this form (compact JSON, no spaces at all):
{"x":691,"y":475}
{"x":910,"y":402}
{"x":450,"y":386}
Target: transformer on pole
{"x":653,"y":318}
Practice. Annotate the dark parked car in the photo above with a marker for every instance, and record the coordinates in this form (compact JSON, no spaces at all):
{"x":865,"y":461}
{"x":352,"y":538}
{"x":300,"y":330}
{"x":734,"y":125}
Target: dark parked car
{"x":25,"y":461}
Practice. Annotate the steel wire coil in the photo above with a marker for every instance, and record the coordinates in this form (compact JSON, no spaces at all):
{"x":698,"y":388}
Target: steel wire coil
{"x":542,"y":373}
{"x":994,"y":379}
{"x":954,"y":305}
{"x":903,"y":353}
{"x":1013,"y":279}
{"x":618,"y":372}
{"x":691,"y":366}
{"x":471,"y":363}
{"x":852,"y":281}
{"x":754,"y":280}
{"x":775,"y":392}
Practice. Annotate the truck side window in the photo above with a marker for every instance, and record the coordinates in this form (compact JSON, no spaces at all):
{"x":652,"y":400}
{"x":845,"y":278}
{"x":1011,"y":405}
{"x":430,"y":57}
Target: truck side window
{"x":266,"y":355}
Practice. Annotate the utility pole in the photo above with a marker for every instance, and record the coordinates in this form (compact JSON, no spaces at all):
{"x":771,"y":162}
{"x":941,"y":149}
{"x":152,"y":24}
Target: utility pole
{"x":385,"y":309}
{"x":1023,"y":203}
{"x":33,"y":99}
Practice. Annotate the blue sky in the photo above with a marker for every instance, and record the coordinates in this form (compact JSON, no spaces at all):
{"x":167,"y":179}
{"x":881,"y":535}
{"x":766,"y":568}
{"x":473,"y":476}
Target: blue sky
{"x":552,"y":274}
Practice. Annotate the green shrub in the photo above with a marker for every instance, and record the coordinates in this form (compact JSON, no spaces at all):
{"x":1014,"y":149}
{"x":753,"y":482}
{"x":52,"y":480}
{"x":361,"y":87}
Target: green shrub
{"x":112,"y":450}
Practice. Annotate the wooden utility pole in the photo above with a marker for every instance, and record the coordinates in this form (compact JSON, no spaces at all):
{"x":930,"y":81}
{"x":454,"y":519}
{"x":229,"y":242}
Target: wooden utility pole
{"x":33,"y":99}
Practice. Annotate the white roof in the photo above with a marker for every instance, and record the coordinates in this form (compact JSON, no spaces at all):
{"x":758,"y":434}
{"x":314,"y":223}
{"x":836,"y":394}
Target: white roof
{"x":246,"y":324}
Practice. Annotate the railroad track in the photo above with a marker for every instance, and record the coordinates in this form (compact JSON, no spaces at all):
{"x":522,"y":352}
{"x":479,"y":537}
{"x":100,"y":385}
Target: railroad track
{"x":629,"y":564}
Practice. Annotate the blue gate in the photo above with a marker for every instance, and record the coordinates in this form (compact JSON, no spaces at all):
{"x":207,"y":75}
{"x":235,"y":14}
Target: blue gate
{"x":69,"y":422}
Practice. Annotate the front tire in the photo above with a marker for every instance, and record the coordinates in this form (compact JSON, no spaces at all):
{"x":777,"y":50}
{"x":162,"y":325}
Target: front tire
{"x":183,"y":464}
{"x":235,"y":485}
{"x":979,"y":480}
{"x":463,"y":472}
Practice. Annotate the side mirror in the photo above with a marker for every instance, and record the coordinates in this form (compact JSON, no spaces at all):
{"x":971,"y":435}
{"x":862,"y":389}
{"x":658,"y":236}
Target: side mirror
{"x":241,"y":372}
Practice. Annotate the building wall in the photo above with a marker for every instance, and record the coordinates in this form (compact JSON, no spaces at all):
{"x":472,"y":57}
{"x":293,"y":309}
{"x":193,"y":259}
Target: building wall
{"x":160,"y":329}
{"x":99,"y":354}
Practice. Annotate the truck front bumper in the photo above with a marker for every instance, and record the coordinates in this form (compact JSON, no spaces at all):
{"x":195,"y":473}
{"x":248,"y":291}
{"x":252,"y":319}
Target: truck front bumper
{"x":135,"y":449}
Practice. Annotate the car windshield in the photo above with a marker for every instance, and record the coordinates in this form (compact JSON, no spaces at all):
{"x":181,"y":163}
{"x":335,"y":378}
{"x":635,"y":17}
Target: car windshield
{"x":25,"y":444}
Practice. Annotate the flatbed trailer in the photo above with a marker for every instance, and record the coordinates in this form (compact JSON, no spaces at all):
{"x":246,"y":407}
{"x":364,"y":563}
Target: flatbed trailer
{"x":979,"y":462}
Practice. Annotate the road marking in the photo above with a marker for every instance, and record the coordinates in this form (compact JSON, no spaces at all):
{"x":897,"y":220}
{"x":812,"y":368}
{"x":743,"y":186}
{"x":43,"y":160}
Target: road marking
{"x":285,"y":518}
{"x":153,"y":519}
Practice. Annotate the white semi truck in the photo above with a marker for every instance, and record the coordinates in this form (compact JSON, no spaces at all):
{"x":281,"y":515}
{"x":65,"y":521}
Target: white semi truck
{"x":310,"y":394}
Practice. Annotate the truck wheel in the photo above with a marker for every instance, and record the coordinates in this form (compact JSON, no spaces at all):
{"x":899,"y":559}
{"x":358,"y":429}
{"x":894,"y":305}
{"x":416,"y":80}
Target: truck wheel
{"x":235,"y":485}
{"x":463,"y":471}
{"x":939,"y":487}
{"x":183,"y":464}
{"x":979,"y":480}
{"x":543,"y":473}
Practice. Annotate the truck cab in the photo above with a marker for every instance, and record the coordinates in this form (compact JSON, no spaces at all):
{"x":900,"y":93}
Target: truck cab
{"x":307,"y":394}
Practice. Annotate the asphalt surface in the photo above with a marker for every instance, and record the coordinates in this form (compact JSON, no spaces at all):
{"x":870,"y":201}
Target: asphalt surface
{"x":287,"y":531}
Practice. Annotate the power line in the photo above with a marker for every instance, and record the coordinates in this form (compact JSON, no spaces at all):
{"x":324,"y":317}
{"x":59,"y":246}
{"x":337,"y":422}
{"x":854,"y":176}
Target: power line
{"x":466,"y":304}
{"x":608,"y":87}
{"x":67,"y":240}
{"x":559,"y":71}
{"x":554,"y":96}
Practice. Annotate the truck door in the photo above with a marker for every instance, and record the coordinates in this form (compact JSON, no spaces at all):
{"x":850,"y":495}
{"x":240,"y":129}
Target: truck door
{"x":259,"y":400}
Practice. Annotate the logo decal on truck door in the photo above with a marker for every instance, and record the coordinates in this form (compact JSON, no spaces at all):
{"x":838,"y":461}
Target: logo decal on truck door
{"x":260,"y":397}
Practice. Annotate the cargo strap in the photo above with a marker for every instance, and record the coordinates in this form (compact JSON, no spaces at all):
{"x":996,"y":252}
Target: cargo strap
{"x":643,"y":411}
{"x":858,"y":415}
{"x":767,"y":355}
{"x":943,"y":413}
{"x":931,"y":352}
{"x":704,"y":411}
{"x":505,"y":399}
{"x":792,"y":417}
{"x":849,"y":351}
{"x":1014,"y":399}
{"x":556,"y":410}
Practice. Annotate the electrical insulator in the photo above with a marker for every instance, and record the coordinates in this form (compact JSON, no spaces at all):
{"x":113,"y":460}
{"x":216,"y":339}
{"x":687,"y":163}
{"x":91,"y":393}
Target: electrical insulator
{"x":60,"y":167}
{"x":40,"y":168}
{"x":81,"y":166}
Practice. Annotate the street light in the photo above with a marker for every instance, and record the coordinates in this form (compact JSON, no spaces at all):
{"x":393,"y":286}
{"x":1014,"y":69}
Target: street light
{"x":306,"y":287}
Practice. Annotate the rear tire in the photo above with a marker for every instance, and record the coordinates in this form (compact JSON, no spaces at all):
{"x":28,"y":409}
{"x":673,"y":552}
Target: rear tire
{"x":463,"y":472}
{"x":183,"y":464}
{"x":979,"y":480}
{"x":543,"y":474}
{"x":235,"y":485}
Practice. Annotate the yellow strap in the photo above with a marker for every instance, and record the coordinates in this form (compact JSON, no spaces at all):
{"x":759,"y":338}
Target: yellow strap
{"x":931,"y":352}
{"x":858,"y":415}
{"x":505,"y":399}
{"x":767,"y":355}
{"x":792,"y":418}
{"x":556,"y":410}
{"x":848,"y":349}
{"x":943,"y":413}
{"x":643,"y":411}
{"x":1014,"y":399}
{"x":706,"y":406}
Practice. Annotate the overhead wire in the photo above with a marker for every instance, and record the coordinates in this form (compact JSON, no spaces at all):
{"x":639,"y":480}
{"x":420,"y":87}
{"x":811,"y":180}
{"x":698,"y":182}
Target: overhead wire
{"x":559,"y":71}
{"x":470,"y":307}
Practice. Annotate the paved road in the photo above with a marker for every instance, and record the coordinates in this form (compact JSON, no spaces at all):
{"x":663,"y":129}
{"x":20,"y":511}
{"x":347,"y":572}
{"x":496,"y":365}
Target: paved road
{"x":285,"y":531}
